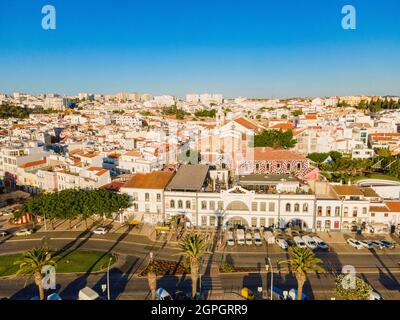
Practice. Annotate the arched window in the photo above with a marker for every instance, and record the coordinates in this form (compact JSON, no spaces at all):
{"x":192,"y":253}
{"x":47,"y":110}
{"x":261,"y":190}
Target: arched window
{"x":172,"y":204}
{"x":180,"y":204}
{"x":296,"y":207}
{"x":288,"y":207}
{"x":305,"y":207}
{"x":188,"y":204}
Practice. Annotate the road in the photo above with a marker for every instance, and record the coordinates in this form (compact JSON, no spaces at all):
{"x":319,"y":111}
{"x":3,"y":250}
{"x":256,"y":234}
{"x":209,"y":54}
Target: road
{"x":380,"y":269}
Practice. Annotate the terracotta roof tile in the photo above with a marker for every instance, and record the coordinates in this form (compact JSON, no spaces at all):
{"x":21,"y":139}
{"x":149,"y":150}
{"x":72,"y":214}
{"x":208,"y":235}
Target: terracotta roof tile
{"x":153,"y":180}
{"x":264,"y":153}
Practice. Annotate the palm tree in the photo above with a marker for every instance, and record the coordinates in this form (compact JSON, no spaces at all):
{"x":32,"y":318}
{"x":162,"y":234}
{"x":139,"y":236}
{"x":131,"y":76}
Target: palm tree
{"x":301,"y":261}
{"x":193,"y":247}
{"x":152,"y":279}
{"x":31,"y":265}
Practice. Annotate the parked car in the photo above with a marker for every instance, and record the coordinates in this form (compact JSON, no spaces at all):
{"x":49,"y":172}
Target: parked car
{"x":247,"y":294}
{"x":366,"y":244}
{"x":388,"y":244}
{"x":269,"y":237}
{"x":249,"y":238}
{"x":88,"y":293}
{"x":309,"y":241}
{"x":3,"y":233}
{"x":355,"y":244}
{"x":321,"y":244}
{"x":299,"y":242}
{"x":282,"y":243}
{"x":23,"y":232}
{"x":378,"y":244}
{"x":257,"y":238}
{"x":230,"y":240}
{"x":163,"y":294}
{"x":240,"y":236}
{"x":375,"y":296}
{"x":100,"y":230}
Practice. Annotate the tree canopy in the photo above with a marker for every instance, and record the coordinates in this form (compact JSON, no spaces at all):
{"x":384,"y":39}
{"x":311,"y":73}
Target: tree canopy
{"x":71,"y":204}
{"x":275,"y":139}
{"x":206,"y":113}
{"x":360,"y":291}
{"x":8,"y":110}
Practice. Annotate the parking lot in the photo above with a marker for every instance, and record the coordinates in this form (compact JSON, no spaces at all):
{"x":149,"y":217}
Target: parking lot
{"x":337,"y":242}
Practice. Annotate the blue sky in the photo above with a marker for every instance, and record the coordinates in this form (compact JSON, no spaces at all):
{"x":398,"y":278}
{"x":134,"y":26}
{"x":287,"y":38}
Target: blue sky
{"x":253,"y":48}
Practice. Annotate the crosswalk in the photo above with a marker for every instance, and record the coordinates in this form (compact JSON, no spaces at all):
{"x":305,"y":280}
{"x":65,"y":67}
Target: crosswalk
{"x":211,"y":286}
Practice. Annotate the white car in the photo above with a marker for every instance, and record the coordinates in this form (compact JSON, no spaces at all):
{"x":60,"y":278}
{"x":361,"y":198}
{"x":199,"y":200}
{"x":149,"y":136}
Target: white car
{"x":100,"y":230}
{"x":249,"y":239}
{"x":321,"y":244}
{"x":240,"y":237}
{"x":375,"y":296}
{"x":355,"y":244}
{"x":282,"y":243}
{"x":230,"y":240}
{"x":299,"y":242}
{"x":24,"y":232}
{"x":3,"y":233}
{"x":309,"y":241}
{"x":257,"y":239}
{"x":366,"y":244}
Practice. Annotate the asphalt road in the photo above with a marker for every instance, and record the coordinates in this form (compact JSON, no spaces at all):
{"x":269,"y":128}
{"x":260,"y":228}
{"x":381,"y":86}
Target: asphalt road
{"x":380,"y":269}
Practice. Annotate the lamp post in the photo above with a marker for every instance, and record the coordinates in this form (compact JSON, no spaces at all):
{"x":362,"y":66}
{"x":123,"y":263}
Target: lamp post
{"x":44,"y":218}
{"x":272,"y":275}
{"x":200,"y":265}
{"x":108,"y":279}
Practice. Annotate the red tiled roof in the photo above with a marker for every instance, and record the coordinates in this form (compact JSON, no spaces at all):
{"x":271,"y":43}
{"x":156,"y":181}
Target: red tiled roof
{"x":264,"y":153}
{"x":153,"y":180}
{"x":283,"y":126}
{"x":33,"y":164}
{"x":246,"y":123}
{"x":311,"y":116}
{"x":394,"y":206}
{"x":384,"y":136}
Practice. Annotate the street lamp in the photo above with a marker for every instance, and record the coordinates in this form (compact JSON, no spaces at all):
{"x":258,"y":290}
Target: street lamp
{"x":272,"y":275}
{"x":200,"y":265}
{"x":108,"y":278}
{"x":44,"y":218}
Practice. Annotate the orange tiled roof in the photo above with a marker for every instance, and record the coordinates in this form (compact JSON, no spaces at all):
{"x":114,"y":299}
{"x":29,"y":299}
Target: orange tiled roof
{"x":33,"y":164}
{"x":311,"y":116}
{"x":346,"y":190}
{"x":246,"y":123}
{"x":394,"y":206}
{"x":264,"y":153}
{"x":153,"y":180}
{"x":283,"y":126}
